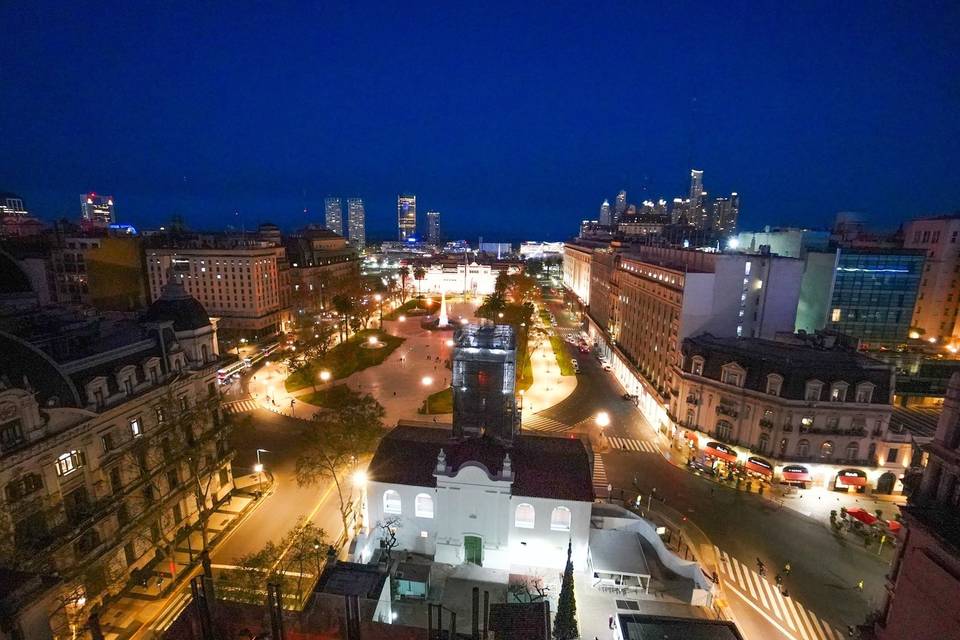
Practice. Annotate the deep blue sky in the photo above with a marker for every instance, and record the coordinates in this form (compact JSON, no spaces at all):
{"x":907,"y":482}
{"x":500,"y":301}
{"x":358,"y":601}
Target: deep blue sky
{"x":515,"y":121}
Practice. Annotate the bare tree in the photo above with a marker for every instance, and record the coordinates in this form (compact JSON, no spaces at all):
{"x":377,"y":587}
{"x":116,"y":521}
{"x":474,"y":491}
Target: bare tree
{"x":388,"y":534}
{"x":335,"y":441}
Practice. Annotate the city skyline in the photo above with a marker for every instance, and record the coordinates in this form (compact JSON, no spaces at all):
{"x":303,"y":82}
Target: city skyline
{"x":830,"y":140}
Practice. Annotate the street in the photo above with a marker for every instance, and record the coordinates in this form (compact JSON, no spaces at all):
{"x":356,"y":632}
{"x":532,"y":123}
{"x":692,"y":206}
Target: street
{"x":822,"y":585}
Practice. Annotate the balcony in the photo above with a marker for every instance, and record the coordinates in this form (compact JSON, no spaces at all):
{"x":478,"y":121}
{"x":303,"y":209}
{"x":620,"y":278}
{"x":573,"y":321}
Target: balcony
{"x":766,"y":424}
{"x":692,"y":399}
{"x":724,"y":410}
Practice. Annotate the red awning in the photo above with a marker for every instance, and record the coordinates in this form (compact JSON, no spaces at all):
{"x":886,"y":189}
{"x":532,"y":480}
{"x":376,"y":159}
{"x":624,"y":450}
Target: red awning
{"x":849,"y":479}
{"x":795,"y":473}
{"x":690,"y":435}
{"x":862,"y":516}
{"x":716,"y":453}
{"x":894,"y":526}
{"x":758,"y":465}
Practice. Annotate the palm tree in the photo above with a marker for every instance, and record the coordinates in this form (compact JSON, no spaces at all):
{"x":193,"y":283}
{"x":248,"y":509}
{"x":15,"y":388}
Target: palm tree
{"x":419,"y":273}
{"x":404,"y":274}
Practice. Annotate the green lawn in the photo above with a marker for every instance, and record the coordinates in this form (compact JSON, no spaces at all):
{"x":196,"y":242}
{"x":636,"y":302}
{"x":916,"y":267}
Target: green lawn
{"x":345,"y":359}
{"x":335,"y":397}
{"x":525,"y":380}
{"x":563,"y":356}
{"x":439,"y":402}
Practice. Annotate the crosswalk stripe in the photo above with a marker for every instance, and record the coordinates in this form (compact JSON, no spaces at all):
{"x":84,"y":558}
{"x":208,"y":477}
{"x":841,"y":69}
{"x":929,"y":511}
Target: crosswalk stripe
{"x":812,"y":630}
{"x":773,"y":592}
{"x":824,"y":628}
{"x":761,"y":583}
{"x":746,"y":578}
{"x":784,"y":604}
{"x":543,"y":423}
{"x":631,"y":444}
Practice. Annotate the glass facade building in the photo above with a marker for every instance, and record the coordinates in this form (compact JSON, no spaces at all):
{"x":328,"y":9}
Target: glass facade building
{"x":874,"y":293}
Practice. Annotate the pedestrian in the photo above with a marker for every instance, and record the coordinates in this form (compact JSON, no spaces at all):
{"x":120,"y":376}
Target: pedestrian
{"x":786,"y":568}
{"x":860,"y":586}
{"x":610,"y":621}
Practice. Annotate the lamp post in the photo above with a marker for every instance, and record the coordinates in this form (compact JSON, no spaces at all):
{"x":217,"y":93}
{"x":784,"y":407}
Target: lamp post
{"x":258,"y":469}
{"x":324,"y":376}
{"x":316,"y":550}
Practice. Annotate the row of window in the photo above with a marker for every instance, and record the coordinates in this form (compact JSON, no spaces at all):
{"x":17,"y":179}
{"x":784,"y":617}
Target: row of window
{"x":734,"y":375}
{"x":524,"y":515}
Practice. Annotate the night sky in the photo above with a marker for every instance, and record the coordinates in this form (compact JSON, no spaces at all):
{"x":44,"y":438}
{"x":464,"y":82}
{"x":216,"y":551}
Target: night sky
{"x":514,"y":121}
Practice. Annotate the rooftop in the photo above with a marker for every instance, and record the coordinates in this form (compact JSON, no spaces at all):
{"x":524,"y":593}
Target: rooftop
{"x":520,"y":620}
{"x":352,"y":579}
{"x":637,"y":626}
{"x":408,"y":455}
{"x":920,"y":421}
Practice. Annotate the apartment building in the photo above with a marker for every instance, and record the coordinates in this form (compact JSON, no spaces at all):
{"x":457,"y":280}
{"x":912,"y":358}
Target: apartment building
{"x":102,"y":271}
{"x":802,"y":409}
{"x":938,"y":297}
{"x":97,"y":418}
{"x":243,"y":282}
{"x":645,"y":300}
{"x":576,"y":269}
{"x":322,"y":263}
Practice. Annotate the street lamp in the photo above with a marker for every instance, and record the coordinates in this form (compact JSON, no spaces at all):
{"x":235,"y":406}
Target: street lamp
{"x":379,"y":299}
{"x":426,"y":381}
{"x":449,"y":342}
{"x":603,"y":419}
{"x":324,"y":376}
{"x":258,"y":469}
{"x":372,"y":341}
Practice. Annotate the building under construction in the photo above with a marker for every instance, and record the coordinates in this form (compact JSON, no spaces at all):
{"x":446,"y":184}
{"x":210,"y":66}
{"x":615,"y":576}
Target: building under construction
{"x":484,"y":377}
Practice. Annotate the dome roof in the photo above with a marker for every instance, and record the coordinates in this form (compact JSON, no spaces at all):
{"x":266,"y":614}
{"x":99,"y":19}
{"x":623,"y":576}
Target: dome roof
{"x":24,"y":363}
{"x":177,"y":305}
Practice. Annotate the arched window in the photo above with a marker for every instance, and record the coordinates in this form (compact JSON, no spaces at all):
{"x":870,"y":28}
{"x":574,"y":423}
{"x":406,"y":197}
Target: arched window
{"x":732,"y":374}
{"x":803,"y":448}
{"x":391,"y":502}
{"x":853,"y":450}
{"x":763,"y":443}
{"x":784,"y":443}
{"x":774,"y":384}
{"x":865,"y":392}
{"x":524,"y":516}
{"x":560,"y":519}
{"x":826,"y":449}
{"x":423,"y":506}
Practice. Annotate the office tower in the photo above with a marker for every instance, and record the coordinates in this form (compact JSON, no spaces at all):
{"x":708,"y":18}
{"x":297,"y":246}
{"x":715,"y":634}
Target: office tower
{"x":696,"y":187}
{"x":406,"y":217}
{"x":97,"y":209}
{"x":874,"y":291}
{"x":334,"y":215}
{"x":356,"y":221}
{"x":484,"y":377}
{"x":679,"y":212}
{"x":11,"y":205}
{"x":723,"y":214}
{"x":433,"y":227}
{"x":620,"y":206}
{"x":605,"y":214}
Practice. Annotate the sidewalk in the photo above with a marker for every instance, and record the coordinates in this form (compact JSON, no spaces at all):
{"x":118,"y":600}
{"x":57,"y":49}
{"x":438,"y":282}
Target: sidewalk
{"x":137,"y":606}
{"x":549,"y":387}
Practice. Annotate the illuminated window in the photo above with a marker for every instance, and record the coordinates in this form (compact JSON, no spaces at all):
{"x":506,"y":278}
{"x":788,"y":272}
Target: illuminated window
{"x":696,"y":366}
{"x":560,"y":519}
{"x":838,"y":392}
{"x":391,"y":502}
{"x":835,"y":315}
{"x":67,"y":463}
{"x":826,"y":449}
{"x":524,"y":516}
{"x":423,"y":506}
{"x":136,"y":427}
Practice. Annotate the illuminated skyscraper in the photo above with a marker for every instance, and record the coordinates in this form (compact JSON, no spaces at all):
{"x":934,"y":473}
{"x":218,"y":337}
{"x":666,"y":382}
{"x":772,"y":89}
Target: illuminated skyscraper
{"x":723,"y":217}
{"x":605,"y":219}
{"x":406,"y":216}
{"x":334,"y":215}
{"x":620,"y":207}
{"x":696,"y":188}
{"x":433,"y":227}
{"x":97,"y":209}
{"x":356,"y":221}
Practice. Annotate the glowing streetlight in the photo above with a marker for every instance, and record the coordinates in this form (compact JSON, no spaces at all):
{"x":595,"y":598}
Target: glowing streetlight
{"x":258,"y":469}
{"x":359,"y":478}
{"x":500,"y":315}
{"x":402,"y":318}
{"x":324,"y":376}
{"x":603,"y":419}
{"x":426,"y":381}
{"x":372,"y":341}
{"x":450,"y":344}
{"x":379,"y":299}
{"x":464,"y":321}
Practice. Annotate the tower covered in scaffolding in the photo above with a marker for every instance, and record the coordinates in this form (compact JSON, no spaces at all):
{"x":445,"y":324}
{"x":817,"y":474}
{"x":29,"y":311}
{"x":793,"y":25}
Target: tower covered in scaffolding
{"x":484,"y":378}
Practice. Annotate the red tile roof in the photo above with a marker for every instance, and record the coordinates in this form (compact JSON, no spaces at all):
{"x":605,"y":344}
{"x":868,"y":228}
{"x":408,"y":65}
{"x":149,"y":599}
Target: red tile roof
{"x":543,"y":467}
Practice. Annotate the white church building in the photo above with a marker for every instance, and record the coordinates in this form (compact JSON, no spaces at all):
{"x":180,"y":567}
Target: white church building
{"x":479,"y":501}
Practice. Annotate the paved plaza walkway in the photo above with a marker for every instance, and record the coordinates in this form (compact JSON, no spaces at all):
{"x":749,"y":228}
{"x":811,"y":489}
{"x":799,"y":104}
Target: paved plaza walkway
{"x":413,"y":371}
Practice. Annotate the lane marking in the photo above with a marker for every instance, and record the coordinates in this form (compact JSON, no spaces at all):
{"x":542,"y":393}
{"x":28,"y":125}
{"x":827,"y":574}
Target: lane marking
{"x":760,"y":588}
{"x":786,"y":610}
{"x":802,"y":612}
{"x":763,"y":613}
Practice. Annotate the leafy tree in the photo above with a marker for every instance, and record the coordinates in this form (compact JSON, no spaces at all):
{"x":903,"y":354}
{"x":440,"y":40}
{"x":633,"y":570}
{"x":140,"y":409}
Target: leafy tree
{"x":343,"y":305}
{"x":335,"y":441}
{"x":522,"y":288}
{"x":565,"y":622}
{"x":502,"y":283}
{"x":534,"y":267}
